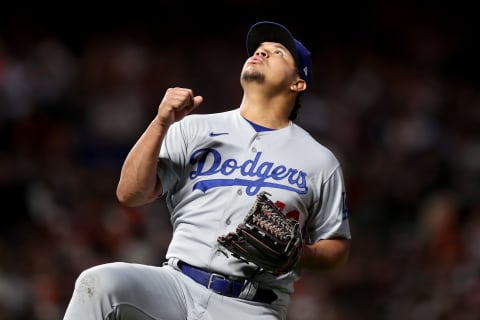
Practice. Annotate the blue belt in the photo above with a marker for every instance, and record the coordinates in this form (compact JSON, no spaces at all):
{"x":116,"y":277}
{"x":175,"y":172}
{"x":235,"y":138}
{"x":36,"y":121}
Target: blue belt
{"x":222,"y":285}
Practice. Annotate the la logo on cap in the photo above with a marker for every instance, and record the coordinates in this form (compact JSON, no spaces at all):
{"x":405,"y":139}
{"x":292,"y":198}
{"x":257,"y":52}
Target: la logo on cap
{"x":305,"y":71}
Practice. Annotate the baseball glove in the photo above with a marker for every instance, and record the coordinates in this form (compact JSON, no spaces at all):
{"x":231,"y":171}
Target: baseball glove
{"x":266,"y":238}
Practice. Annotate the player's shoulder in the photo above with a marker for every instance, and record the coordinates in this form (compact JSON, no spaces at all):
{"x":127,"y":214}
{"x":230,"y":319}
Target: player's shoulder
{"x":209,"y":117}
{"x":306,"y":137}
{"x":198,"y":125}
{"x":315,"y":148}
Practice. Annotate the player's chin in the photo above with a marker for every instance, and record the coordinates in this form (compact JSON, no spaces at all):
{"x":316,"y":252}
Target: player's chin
{"x":251,"y":74}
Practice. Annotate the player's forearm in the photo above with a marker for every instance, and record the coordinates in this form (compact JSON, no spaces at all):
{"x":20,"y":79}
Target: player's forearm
{"x":138,"y":183}
{"x":325,"y":254}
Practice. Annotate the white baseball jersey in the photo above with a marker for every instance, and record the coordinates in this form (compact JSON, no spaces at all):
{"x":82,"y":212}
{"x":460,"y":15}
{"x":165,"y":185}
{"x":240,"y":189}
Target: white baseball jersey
{"x":212,"y":166}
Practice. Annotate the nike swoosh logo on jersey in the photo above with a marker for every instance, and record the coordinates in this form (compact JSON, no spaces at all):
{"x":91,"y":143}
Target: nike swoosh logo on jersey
{"x":216,"y":134}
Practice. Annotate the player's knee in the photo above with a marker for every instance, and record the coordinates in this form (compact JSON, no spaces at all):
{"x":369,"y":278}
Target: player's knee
{"x":100,"y":281}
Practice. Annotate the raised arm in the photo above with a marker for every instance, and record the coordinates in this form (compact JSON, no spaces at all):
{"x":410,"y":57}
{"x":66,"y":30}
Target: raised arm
{"x":138,"y":183}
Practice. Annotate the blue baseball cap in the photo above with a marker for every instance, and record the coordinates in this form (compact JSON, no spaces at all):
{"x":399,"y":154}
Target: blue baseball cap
{"x":268,"y":31}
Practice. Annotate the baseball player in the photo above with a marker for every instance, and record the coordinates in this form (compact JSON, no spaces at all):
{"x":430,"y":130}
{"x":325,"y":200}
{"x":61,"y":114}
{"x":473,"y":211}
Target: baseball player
{"x":209,"y":168}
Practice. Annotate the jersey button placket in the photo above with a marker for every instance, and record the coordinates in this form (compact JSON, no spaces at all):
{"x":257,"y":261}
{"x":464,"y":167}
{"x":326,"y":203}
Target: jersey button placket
{"x":256,"y":137}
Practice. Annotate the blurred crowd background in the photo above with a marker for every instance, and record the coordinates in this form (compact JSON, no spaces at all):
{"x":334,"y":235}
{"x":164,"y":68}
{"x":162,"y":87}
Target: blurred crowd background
{"x":395,"y":95}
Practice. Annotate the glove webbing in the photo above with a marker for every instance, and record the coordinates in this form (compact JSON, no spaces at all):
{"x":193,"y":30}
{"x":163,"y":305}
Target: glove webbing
{"x":271,"y":221}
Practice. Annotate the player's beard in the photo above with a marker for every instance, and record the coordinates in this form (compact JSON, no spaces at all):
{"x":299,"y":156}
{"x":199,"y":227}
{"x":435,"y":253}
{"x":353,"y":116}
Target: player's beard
{"x":253,"y":76}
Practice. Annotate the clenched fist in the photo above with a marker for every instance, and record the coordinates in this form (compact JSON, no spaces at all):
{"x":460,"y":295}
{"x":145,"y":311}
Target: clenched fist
{"x":176,"y":104}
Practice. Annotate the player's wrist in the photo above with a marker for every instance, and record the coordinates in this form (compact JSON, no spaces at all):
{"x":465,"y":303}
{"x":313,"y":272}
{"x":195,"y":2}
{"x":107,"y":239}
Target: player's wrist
{"x":161,"y":124}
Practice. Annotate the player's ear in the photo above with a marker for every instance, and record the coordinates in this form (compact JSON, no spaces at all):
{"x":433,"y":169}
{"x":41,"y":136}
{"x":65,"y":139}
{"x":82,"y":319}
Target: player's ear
{"x":299,"y":85}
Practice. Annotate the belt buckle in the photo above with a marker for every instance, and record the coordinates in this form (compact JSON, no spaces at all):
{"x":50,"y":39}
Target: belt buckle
{"x":211,"y":276}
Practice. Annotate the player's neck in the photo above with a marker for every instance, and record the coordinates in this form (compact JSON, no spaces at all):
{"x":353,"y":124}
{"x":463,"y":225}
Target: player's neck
{"x":270,"y":113}
{"x":264,"y":117}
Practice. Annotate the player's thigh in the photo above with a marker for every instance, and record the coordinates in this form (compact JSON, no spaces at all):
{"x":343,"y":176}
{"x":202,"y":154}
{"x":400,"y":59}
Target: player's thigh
{"x":238,"y":309}
{"x":149,"y":292}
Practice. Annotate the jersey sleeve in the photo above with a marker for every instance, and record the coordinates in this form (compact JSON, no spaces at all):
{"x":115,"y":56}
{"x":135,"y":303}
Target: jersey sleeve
{"x":330,"y":214}
{"x":172,"y":157}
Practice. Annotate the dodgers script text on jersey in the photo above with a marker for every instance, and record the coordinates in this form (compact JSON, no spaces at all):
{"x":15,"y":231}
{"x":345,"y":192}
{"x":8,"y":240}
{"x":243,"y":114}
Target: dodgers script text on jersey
{"x":281,"y":176}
